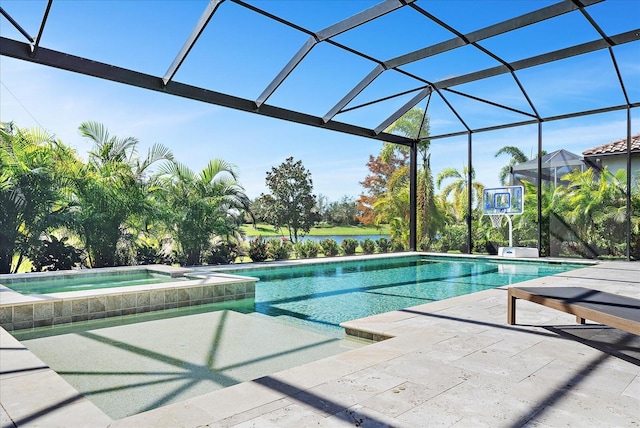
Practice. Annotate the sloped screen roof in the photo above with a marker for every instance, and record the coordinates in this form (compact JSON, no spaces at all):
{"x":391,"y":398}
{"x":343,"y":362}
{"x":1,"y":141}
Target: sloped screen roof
{"x":516,"y":63}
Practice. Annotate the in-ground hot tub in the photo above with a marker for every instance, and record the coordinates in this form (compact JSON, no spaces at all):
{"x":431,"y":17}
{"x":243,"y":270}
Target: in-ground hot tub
{"x":109,"y":292}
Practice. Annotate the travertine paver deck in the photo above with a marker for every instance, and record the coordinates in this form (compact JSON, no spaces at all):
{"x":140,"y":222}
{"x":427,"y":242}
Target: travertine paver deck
{"x":451,"y":363}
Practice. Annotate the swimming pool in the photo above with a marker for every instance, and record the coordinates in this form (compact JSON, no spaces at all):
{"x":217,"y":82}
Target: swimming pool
{"x":321,"y":296}
{"x":138,"y":362}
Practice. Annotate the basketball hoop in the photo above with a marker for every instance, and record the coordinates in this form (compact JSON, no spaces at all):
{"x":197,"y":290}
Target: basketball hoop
{"x":503,"y":201}
{"x":496,"y":220}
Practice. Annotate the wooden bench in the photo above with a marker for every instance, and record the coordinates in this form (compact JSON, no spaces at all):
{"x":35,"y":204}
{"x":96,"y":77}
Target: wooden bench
{"x":614,"y":310}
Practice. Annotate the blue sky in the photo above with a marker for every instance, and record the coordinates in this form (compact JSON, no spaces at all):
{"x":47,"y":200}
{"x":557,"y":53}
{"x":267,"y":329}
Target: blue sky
{"x":240,"y":52}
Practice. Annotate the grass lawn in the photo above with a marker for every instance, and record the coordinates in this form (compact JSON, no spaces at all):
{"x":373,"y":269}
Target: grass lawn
{"x":266,"y":230}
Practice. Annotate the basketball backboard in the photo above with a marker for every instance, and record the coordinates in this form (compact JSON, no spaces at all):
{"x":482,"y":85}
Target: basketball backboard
{"x":503,"y":200}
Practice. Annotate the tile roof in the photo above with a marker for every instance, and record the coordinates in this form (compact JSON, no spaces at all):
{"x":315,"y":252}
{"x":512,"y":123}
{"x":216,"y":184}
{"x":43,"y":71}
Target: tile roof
{"x":615,"y":147}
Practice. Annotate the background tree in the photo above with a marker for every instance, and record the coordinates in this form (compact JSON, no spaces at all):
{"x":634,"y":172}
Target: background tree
{"x":202,"y":206}
{"x":31,"y":202}
{"x":292,"y":201}
{"x":322,"y":208}
{"x":267,"y":205}
{"x":257,"y":212}
{"x":343,"y":212}
{"x":375,"y":184}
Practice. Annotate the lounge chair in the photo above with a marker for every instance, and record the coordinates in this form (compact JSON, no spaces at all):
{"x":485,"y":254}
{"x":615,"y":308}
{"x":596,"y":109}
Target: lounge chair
{"x":614,"y":310}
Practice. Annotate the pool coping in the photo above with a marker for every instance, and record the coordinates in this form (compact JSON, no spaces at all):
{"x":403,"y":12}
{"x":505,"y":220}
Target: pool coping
{"x":172,"y":271}
{"x":407,"y":254}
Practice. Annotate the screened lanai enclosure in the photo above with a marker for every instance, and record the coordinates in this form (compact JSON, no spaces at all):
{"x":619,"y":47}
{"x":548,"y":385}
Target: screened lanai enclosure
{"x":485,"y":92}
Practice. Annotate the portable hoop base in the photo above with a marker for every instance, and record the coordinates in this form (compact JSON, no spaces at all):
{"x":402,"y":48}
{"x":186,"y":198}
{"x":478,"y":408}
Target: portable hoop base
{"x":511,"y":251}
{"x":518,"y":252}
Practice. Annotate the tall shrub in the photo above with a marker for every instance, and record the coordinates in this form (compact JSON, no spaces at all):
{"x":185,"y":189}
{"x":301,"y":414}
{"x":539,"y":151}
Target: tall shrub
{"x":31,"y":197}
{"x":308,"y":249}
{"x":54,"y":254}
{"x":279,"y":248}
{"x":258,"y":249}
{"x":222,"y":253}
{"x":383,"y":245}
{"x":397,"y":246}
{"x":202,"y":206}
{"x":368,"y":246}
{"x":349,"y":246}
{"x":111,"y":192}
{"x":330,"y":247}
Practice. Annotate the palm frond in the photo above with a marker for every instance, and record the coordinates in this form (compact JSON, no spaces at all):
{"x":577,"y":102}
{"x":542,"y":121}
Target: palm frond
{"x":94,"y":131}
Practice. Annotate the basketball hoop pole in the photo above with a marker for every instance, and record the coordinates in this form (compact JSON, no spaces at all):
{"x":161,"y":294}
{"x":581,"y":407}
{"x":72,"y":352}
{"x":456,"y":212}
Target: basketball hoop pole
{"x":510,"y":230}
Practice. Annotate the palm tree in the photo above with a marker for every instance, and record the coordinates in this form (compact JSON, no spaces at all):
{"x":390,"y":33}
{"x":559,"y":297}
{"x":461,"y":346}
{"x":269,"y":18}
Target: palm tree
{"x":415,"y":124}
{"x":457,"y":189}
{"x":31,"y":202}
{"x":111,"y":192}
{"x":517,"y":157}
{"x":201,"y":206}
{"x":393,"y":206}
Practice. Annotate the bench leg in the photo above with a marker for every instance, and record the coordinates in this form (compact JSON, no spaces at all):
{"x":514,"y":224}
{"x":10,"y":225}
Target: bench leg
{"x":580,"y":320}
{"x":511,"y":309}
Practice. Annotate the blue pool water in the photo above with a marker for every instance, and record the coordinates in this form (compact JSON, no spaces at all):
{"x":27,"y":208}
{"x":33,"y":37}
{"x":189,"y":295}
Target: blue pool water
{"x":322,"y":296}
